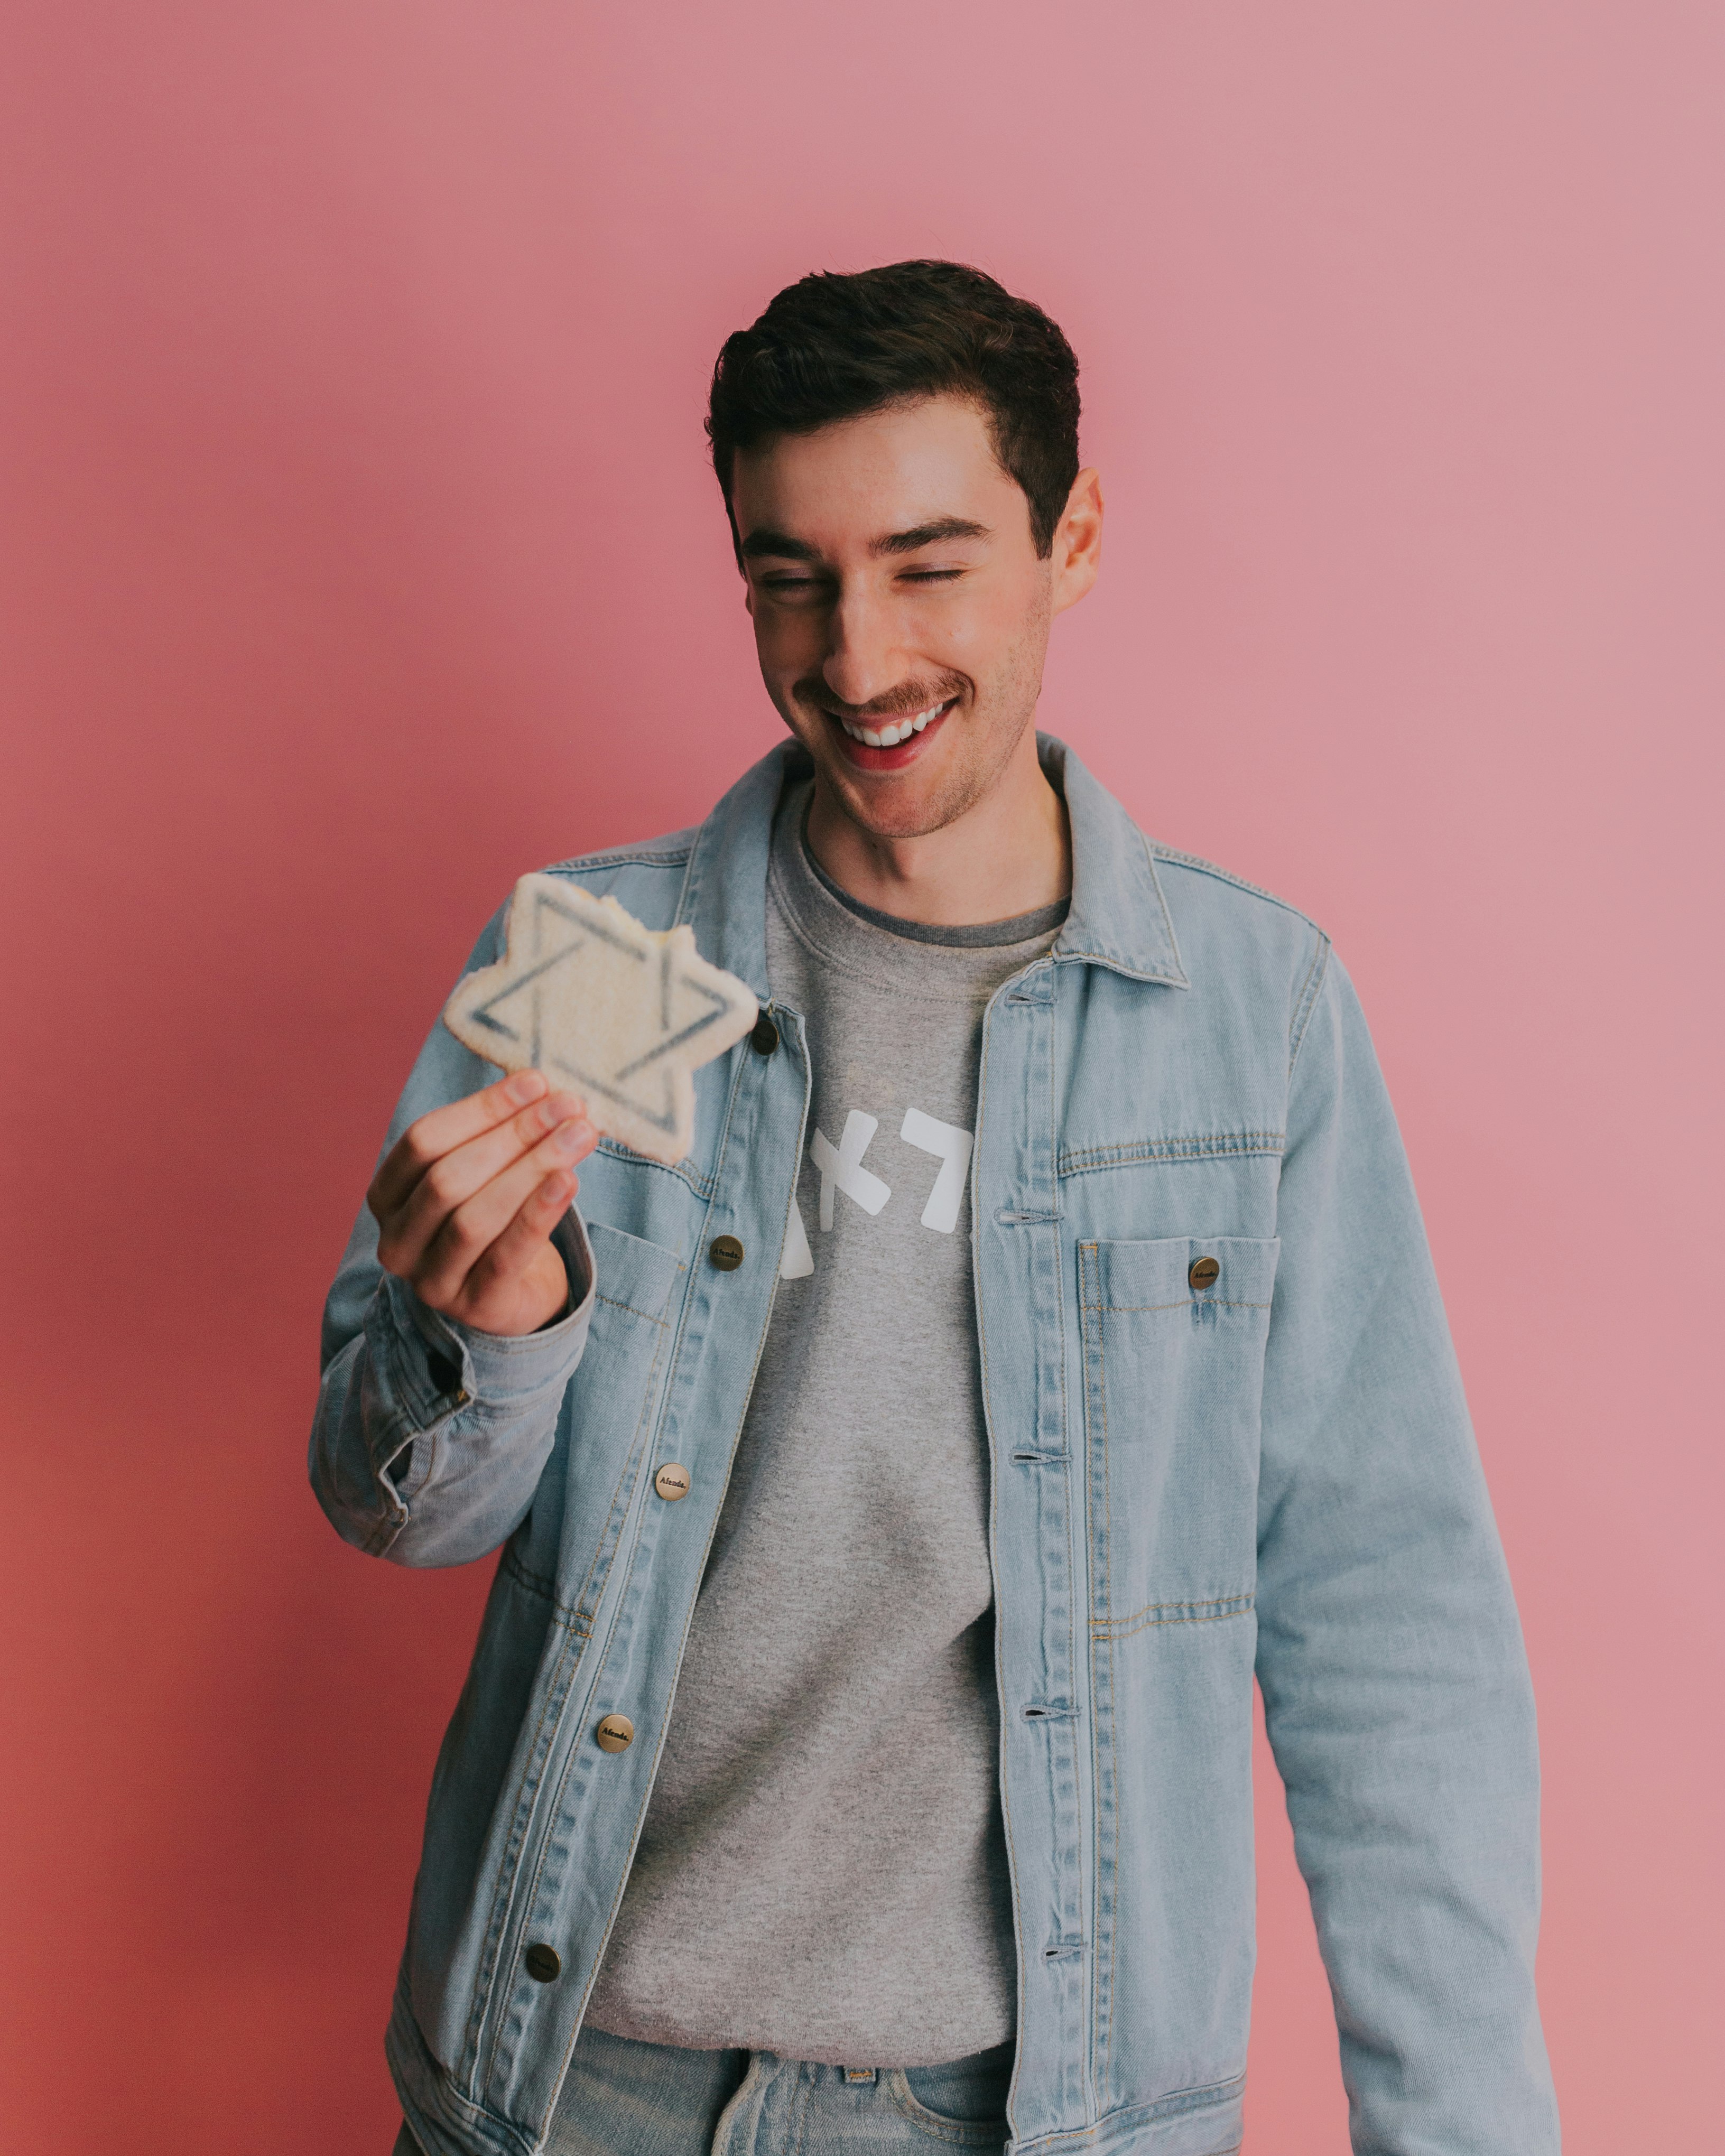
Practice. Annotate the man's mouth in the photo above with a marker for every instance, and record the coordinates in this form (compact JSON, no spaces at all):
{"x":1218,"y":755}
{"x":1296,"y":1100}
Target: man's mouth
{"x":885,"y":743}
{"x":896,"y":730}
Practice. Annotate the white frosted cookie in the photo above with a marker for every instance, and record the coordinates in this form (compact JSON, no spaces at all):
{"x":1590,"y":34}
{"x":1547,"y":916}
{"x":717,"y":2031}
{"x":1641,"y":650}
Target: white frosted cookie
{"x":621,"y":1015}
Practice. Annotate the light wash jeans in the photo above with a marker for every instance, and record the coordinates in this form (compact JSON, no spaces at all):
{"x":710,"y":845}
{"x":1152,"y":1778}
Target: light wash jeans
{"x":622,"y":2098}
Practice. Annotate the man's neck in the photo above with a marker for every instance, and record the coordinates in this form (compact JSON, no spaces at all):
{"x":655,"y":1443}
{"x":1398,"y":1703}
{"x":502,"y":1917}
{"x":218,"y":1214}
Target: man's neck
{"x":1009,"y":852}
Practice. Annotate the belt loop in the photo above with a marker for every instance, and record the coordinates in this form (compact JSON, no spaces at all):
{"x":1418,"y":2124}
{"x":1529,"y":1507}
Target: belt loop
{"x":858,"y":2073}
{"x":735,"y":2127}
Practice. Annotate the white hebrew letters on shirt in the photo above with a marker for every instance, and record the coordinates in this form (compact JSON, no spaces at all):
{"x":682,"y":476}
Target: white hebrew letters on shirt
{"x":798,"y":1260}
{"x":843,"y":1165}
{"x":951,"y":1146}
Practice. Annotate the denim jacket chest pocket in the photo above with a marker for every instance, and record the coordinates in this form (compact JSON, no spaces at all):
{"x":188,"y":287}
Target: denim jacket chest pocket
{"x":1174,"y":1333}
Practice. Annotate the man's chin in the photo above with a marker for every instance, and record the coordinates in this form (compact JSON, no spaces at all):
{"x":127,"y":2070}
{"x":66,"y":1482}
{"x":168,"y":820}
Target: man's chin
{"x":907,"y":805}
{"x":896,"y":795}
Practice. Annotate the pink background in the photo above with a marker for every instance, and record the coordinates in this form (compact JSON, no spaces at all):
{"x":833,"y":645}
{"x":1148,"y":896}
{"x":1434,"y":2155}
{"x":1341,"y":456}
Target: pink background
{"x":361,"y":554}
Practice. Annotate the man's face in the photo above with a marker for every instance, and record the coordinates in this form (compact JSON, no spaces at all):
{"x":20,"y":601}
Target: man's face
{"x":900,"y":610}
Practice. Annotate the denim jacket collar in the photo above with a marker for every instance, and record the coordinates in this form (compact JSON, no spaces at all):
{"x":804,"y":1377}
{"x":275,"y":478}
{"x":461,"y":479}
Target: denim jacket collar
{"x":1118,"y":917}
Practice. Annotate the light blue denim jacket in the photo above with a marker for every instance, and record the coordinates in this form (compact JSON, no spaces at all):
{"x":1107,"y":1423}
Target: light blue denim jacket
{"x":1189,"y":1483}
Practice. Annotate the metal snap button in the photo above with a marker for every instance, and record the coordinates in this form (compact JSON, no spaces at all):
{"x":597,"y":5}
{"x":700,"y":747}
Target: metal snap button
{"x":543,"y":1965}
{"x":615,"y":1734}
{"x":672,"y":1481}
{"x":726,"y":1252}
{"x":764,"y":1039}
{"x":1203,"y":1272}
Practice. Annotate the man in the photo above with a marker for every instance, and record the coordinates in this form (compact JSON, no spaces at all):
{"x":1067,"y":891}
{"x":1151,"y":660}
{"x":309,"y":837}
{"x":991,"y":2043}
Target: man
{"x":897,"y":1497}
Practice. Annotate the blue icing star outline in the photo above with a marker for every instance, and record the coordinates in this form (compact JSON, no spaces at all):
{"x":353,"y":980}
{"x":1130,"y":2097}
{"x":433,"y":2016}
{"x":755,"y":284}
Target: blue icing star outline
{"x":482,"y":1014}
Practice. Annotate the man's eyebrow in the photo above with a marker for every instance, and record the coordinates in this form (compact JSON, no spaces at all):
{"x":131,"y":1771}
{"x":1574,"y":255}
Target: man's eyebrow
{"x":768,"y":542}
{"x":780,"y":544}
{"x":929,"y":534}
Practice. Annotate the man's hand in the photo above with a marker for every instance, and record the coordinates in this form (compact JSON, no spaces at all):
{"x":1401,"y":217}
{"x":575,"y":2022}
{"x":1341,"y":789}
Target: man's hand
{"x":468,"y":1197}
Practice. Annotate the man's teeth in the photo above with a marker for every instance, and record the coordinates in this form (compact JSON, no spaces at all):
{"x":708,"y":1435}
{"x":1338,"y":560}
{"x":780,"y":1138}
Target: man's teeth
{"x":890,"y":736}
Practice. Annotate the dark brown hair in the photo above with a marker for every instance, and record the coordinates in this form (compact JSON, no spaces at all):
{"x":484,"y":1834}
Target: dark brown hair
{"x":833,"y":346}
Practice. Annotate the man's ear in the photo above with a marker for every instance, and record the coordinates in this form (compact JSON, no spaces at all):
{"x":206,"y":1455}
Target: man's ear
{"x":1077,"y":548}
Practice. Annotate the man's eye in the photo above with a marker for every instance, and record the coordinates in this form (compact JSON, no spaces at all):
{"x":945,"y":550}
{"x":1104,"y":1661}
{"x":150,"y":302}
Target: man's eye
{"x":931,"y":576}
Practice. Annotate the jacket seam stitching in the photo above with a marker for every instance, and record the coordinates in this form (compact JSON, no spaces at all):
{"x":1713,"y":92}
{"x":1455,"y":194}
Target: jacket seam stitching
{"x":702,"y":1185}
{"x":1191,"y":1612}
{"x":1084,"y":1160}
{"x":634,"y":1309}
{"x":1096,"y":1387}
{"x":627,"y":858}
{"x":1203,"y":867}
{"x":1186,"y":1302}
{"x":572,"y":1619}
{"x":1114,"y":1836}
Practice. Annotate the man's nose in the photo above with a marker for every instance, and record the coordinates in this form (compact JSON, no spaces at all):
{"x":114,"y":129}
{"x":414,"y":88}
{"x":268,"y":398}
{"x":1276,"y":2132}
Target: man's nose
{"x":863,"y":659}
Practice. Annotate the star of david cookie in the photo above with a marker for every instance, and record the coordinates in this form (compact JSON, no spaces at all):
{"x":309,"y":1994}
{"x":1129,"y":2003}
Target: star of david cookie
{"x":621,"y":1015}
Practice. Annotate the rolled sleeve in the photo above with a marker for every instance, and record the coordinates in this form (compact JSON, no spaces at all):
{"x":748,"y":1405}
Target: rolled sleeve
{"x":431,"y":1436}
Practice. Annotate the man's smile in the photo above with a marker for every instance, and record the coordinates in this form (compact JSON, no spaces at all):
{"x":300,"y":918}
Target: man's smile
{"x":890,"y":743}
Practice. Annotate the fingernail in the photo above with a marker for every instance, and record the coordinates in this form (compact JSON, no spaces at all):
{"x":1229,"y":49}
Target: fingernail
{"x":525,"y":1085}
{"x":569,"y":1136}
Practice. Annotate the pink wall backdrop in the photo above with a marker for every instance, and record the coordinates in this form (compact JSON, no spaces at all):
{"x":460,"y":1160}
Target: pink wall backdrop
{"x":360,"y":553}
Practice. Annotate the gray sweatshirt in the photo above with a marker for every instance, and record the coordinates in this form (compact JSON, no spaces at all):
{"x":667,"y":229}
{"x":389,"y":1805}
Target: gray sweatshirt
{"x":821,"y":1871}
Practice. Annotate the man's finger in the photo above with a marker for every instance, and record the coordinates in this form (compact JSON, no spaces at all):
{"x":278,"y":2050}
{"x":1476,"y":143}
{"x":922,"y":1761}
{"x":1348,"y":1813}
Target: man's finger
{"x":520,"y":1242}
{"x":433,"y":1134}
{"x":450,"y":1181}
{"x":471,"y":1228}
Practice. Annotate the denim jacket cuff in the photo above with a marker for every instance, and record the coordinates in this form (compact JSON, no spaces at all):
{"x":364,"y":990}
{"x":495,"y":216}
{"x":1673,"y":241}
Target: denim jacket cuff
{"x":432,"y":1367}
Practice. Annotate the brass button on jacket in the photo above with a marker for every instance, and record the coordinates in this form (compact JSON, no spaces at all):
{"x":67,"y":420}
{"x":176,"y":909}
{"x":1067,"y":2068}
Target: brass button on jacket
{"x":615,"y":1734}
{"x":672,"y":1481}
{"x":543,"y":1964}
{"x":1203,"y":1272}
{"x":765,"y":1037}
{"x":725,"y":1252}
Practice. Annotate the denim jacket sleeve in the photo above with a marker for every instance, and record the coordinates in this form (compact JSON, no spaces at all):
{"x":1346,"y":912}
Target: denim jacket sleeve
{"x":430,"y":1437}
{"x":1395,"y":1685}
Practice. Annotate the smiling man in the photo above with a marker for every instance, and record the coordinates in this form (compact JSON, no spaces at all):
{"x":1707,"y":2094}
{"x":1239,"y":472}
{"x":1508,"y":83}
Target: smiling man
{"x":895,"y":1498}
